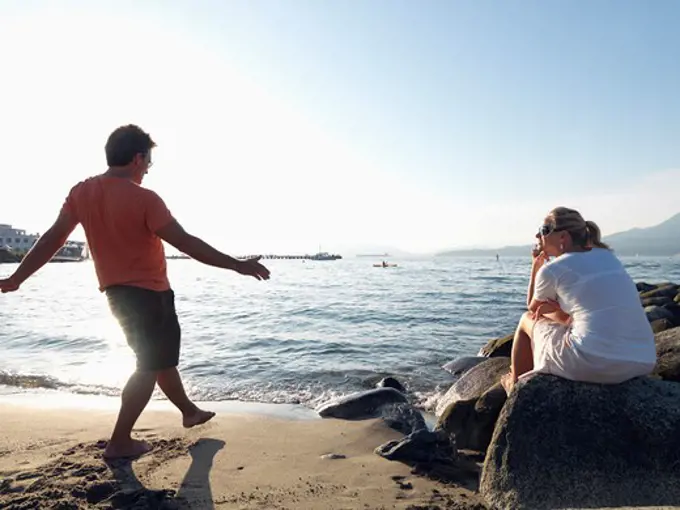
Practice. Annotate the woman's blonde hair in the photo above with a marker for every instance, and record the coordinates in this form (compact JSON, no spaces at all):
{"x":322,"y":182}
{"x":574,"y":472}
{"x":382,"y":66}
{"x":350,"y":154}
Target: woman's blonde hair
{"x":583,"y":233}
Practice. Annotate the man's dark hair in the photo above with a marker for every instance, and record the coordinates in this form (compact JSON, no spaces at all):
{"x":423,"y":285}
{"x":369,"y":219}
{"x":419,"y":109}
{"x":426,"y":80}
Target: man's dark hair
{"x":125,"y":143}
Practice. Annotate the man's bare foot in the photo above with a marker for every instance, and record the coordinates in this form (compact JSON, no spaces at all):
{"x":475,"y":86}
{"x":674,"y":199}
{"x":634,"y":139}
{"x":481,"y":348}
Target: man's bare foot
{"x":128,"y":449}
{"x":507,"y":382}
{"x":197,"y":418}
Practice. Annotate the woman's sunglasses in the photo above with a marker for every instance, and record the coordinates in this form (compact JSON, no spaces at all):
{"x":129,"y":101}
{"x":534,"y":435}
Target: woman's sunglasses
{"x":546,"y":230}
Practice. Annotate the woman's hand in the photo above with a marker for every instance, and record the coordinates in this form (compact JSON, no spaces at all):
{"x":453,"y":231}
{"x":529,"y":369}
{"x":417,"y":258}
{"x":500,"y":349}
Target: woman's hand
{"x":545,"y":308}
{"x":538,"y":258}
{"x":551,"y":310}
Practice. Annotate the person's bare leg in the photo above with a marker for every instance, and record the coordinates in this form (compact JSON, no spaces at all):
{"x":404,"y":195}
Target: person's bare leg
{"x":135,"y":397}
{"x":522,"y":359}
{"x":170,"y":383}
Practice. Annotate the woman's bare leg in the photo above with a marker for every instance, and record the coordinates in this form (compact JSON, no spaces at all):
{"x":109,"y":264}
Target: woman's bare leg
{"x":522,"y":359}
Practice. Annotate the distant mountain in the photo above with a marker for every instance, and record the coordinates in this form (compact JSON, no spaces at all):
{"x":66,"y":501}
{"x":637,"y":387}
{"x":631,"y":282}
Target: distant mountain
{"x":660,"y":240}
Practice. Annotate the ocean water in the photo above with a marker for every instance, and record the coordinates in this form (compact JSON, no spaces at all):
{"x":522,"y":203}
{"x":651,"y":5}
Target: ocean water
{"x":316,"y":330}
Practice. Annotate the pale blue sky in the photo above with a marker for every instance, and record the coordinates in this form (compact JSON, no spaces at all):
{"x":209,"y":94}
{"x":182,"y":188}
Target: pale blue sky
{"x":463,"y":122}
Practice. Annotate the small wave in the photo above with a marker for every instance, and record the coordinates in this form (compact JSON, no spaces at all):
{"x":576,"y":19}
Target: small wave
{"x":47,"y":382}
{"x":304,"y":394}
{"x":30,"y":381}
{"x":428,"y":400}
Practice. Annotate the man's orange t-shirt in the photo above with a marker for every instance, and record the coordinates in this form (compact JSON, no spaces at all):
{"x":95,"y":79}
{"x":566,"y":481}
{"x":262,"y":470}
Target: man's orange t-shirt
{"x":120,"y":219}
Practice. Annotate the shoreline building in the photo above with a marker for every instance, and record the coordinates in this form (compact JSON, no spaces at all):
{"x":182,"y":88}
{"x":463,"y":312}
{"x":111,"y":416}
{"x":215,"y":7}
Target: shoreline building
{"x":17,"y":241}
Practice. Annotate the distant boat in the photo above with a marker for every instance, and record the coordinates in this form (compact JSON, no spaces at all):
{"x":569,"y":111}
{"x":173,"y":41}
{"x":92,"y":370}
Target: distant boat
{"x":323,"y":255}
{"x":72,"y":251}
{"x":385,"y":265}
{"x":15,"y":243}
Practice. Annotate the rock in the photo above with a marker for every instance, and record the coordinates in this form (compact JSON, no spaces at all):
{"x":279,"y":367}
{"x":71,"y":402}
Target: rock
{"x":5,"y":486}
{"x":139,"y":499}
{"x":421,"y":446}
{"x":432,"y":454}
{"x":668,"y":354}
{"x":493,"y":398}
{"x":28,"y":475}
{"x":333,"y":456}
{"x":498,"y":347}
{"x":100,"y":491}
{"x":674,"y":310}
{"x":660,"y":325}
{"x":459,"y":366}
{"x":656,"y":301}
{"x":8,"y":256}
{"x":472,"y":422}
{"x":475,"y":382}
{"x":564,"y":444}
{"x":403,"y":417}
{"x":391,"y":382}
{"x":655,"y":313}
{"x":662,"y":290}
{"x":364,"y":404}
{"x":644,"y":287}
{"x":676,"y":299}
{"x":386,"y":402}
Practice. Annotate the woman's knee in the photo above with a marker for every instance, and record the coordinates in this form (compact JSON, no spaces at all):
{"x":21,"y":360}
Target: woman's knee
{"x":526,"y":323}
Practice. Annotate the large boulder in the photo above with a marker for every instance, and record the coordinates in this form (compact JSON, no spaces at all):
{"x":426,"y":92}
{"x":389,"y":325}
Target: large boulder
{"x":475,"y":382}
{"x":644,"y":287}
{"x":668,"y":354}
{"x":361,"y":405}
{"x":468,"y":411}
{"x":662,"y":290}
{"x":403,"y":417}
{"x":472,"y":422}
{"x":498,"y":347}
{"x":564,"y":444}
{"x":660,"y":325}
{"x":420,"y":446}
{"x":655,"y":313}
{"x":674,"y":310}
{"x":459,"y":366}
{"x":391,"y":382}
{"x":656,"y":301}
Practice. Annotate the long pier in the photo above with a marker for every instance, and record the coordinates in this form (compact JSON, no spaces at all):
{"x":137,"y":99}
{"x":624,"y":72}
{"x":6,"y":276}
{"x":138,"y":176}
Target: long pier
{"x":294,"y":257}
{"x":275,"y":256}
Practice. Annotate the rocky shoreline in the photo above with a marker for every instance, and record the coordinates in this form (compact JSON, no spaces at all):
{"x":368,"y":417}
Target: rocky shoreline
{"x":552,"y":443}
{"x":8,"y":256}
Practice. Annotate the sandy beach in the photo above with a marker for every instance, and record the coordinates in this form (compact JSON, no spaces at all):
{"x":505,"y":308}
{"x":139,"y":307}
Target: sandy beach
{"x":50,"y":457}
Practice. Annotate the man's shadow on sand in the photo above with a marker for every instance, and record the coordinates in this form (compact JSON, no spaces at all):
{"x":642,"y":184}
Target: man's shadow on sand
{"x":194,"y":490}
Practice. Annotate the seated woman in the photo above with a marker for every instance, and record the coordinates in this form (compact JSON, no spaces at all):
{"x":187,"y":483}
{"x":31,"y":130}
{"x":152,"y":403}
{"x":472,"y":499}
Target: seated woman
{"x":585,"y":321}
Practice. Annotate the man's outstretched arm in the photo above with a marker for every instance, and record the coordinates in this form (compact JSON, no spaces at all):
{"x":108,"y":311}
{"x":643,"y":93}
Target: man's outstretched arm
{"x":196,"y":248}
{"x":44,"y":249}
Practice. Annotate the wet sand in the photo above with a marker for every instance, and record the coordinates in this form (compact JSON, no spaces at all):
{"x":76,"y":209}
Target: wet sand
{"x":247,"y":457}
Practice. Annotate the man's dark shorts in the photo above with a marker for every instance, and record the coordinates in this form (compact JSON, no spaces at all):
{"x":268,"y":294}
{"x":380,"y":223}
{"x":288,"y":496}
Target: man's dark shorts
{"x":150,"y":324}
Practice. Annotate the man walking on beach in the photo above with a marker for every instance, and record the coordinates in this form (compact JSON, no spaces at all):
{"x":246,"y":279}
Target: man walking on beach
{"x":124,"y":224}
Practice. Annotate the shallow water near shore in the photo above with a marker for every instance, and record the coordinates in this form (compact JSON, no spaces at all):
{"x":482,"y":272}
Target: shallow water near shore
{"x":317,"y":330}
{"x":51,"y":399}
